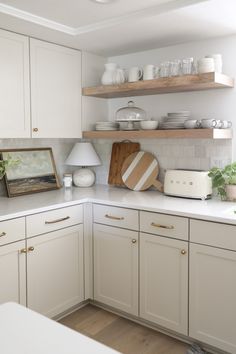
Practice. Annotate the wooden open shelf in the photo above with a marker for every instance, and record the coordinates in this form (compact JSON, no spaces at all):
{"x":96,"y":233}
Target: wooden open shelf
{"x":162,"y":85}
{"x":160,"y":134}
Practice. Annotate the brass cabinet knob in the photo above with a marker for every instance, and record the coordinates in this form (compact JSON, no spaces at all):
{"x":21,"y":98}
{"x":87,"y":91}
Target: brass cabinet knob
{"x":31,"y":248}
{"x":23,"y":250}
{"x":183,"y":251}
{"x":3,"y":234}
{"x":35,"y":130}
{"x":133,"y":240}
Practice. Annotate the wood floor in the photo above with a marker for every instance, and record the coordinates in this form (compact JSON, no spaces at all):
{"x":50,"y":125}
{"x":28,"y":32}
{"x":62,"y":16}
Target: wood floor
{"x":121,"y":334}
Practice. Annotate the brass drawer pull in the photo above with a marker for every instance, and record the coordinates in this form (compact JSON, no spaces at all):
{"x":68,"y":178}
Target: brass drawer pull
{"x":30,"y":249}
{"x":114,"y":217}
{"x":169,"y":227}
{"x":58,"y":220}
{"x":23,"y":250}
{"x":3,"y":234}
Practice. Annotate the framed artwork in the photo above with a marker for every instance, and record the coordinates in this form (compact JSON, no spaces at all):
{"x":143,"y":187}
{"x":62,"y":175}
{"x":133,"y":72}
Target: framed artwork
{"x":32,"y":171}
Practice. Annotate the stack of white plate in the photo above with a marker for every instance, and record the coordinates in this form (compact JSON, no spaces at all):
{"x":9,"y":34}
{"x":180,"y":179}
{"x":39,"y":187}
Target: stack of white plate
{"x":106,"y":126}
{"x":175,"y":120}
{"x":206,"y":65}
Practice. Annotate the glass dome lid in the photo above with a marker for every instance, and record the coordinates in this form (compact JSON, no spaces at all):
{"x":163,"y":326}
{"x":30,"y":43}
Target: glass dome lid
{"x":130,"y":113}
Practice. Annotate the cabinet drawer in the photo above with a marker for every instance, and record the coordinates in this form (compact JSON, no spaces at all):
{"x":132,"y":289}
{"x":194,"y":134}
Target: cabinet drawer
{"x":164,"y":225}
{"x":12,"y":230}
{"x":213,"y":234}
{"x":54,"y":220}
{"x":120,"y":217}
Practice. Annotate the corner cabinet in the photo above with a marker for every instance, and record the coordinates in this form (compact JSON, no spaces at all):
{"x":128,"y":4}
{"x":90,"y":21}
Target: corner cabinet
{"x":55,"y":90}
{"x":116,"y":249}
{"x":14,"y":86}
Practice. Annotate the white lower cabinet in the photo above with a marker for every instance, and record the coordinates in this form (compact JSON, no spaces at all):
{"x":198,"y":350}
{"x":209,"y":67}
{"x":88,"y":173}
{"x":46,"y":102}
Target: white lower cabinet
{"x":213,"y":296}
{"x":55,"y":280}
{"x":164,"y":282}
{"x":13,"y":273}
{"x":116,"y":267}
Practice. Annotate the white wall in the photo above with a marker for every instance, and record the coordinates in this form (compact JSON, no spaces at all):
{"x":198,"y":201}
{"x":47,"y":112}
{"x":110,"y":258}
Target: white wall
{"x":93,"y":109}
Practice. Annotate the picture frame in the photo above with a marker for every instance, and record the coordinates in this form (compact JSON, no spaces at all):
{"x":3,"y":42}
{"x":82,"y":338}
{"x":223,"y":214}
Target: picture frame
{"x":32,"y":171}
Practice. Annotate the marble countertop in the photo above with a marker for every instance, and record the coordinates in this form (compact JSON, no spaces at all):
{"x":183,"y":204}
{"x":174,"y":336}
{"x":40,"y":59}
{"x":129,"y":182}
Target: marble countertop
{"x":25,"y":332}
{"x":212,"y":210}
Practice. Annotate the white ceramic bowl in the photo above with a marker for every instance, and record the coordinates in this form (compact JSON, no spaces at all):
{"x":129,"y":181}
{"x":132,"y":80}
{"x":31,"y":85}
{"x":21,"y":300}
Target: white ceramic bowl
{"x":149,"y":124}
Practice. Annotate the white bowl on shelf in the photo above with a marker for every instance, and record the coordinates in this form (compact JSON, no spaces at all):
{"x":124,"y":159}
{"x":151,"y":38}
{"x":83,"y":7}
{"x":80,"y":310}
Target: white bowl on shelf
{"x":149,"y":124}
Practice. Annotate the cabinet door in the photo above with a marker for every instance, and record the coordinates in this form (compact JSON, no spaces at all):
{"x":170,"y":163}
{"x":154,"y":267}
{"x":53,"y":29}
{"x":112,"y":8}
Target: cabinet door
{"x":55,"y":279}
{"x":13,"y":273}
{"x":212,"y":317}
{"x":116,"y":267}
{"x":14,"y":86}
{"x":55,"y":90}
{"x":164,"y":282}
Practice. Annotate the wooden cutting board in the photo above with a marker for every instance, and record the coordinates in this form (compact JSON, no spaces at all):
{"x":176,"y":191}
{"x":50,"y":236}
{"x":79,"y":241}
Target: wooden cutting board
{"x":120,"y":151}
{"x":140,"y":171}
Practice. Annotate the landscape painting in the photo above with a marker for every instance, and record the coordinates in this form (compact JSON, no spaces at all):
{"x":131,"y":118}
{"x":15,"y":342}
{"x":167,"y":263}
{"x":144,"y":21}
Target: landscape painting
{"x":31,"y":171}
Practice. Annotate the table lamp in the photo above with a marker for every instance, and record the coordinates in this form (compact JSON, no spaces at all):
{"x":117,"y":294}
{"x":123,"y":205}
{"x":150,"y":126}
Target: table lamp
{"x":83,"y":154}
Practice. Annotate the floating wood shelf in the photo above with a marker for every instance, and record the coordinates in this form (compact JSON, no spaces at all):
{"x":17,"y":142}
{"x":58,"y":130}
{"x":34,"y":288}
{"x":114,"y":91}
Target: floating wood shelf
{"x":163,"y":85}
{"x":160,"y":134}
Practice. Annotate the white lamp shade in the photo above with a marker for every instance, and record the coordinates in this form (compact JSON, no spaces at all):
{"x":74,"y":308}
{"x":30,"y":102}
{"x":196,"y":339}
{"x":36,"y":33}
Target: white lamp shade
{"x":83,"y":154}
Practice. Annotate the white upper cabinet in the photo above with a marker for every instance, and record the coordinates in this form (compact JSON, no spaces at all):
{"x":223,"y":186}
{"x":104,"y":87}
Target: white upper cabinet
{"x":14,"y":86}
{"x":55,"y":90}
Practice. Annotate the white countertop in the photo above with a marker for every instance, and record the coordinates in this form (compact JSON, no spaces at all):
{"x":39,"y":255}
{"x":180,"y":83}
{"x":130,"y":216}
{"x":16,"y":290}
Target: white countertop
{"x":23,"y":331}
{"x":213,"y":209}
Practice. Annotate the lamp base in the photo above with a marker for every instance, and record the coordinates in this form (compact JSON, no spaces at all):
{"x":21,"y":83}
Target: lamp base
{"x":84,"y":177}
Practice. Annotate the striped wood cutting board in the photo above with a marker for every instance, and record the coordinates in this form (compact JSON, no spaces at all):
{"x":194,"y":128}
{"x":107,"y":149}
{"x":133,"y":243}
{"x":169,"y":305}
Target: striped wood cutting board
{"x":140,"y":171}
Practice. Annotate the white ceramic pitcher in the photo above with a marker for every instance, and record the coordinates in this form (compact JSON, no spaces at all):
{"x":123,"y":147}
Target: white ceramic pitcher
{"x":108,"y":75}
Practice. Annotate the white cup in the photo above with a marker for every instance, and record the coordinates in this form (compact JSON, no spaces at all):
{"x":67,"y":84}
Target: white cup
{"x":150,"y":72}
{"x":225,"y":124}
{"x":134,"y":74}
{"x":217,"y":61}
{"x":208,"y":123}
{"x":192,"y":124}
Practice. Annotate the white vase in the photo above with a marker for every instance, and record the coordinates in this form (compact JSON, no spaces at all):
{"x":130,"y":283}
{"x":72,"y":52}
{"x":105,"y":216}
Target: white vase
{"x":231,"y":192}
{"x":108,"y":75}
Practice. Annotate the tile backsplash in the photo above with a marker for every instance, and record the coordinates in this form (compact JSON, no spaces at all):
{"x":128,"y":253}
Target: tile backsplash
{"x":200,"y":154}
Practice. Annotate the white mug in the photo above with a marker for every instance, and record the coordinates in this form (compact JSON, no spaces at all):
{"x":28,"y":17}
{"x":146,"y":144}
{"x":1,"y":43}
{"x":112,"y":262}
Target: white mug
{"x":134,"y":74}
{"x":208,"y":123}
{"x":192,"y":124}
{"x":150,"y":72}
{"x":226,"y":124}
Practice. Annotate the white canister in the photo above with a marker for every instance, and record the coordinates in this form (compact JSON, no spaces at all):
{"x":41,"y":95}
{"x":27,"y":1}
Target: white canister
{"x":150,"y":72}
{"x":67,"y":180}
{"x":217,"y":61}
{"x":134,"y":74}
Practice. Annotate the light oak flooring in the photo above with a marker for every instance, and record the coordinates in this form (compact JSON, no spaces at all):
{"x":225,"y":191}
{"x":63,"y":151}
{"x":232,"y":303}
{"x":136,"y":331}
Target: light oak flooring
{"x":121,"y":334}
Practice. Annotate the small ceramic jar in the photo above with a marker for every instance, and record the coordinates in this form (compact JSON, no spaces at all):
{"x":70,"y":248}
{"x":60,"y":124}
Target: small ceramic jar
{"x":67,"y":180}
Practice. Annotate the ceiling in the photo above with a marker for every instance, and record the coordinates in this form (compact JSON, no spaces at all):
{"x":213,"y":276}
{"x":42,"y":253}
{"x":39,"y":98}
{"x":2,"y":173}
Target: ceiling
{"x":121,"y":27}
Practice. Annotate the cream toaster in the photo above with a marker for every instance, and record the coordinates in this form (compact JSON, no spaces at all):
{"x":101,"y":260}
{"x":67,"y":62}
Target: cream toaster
{"x":188,"y":184}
